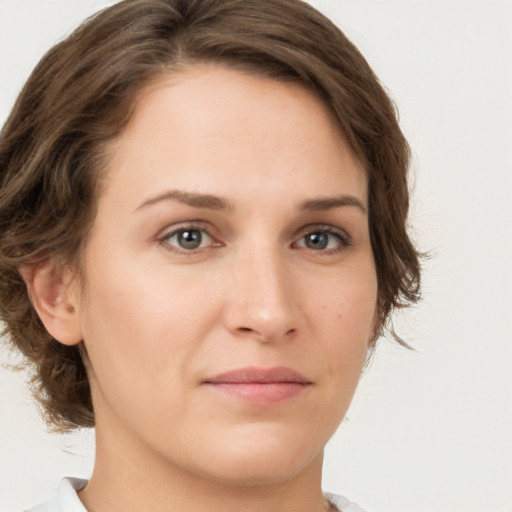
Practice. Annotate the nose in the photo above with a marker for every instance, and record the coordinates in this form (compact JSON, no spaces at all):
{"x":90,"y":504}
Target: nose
{"x":261,"y":302}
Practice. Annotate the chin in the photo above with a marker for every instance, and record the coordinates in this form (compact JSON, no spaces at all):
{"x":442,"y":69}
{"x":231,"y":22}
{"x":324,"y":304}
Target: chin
{"x":263,"y":460}
{"x":251,"y":473}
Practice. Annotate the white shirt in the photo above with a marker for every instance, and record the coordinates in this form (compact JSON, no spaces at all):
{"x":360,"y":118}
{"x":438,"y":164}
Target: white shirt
{"x":66,"y":499}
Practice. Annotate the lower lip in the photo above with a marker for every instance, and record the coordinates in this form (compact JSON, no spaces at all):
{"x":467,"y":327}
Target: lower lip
{"x":260,"y":393}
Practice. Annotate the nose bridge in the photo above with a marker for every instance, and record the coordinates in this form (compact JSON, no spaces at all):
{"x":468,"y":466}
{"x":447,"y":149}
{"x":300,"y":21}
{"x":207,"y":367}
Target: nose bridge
{"x":263,"y":301}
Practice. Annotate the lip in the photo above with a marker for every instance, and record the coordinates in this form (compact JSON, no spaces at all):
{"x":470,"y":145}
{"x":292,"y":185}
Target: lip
{"x":261,"y":386}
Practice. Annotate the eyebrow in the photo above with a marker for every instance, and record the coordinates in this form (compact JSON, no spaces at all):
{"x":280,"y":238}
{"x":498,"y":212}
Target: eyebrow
{"x":328,"y":203}
{"x":191,"y":199}
{"x":212,"y":202}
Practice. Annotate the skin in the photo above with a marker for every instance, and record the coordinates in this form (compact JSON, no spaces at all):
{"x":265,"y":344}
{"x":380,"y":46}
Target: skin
{"x":158,"y":319}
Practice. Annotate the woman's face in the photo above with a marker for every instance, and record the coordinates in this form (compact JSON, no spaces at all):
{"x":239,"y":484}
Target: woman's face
{"x":231,"y":287}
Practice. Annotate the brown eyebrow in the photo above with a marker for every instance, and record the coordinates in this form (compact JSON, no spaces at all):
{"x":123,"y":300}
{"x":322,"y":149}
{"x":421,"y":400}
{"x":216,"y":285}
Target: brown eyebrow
{"x":212,"y":202}
{"x":191,"y":199}
{"x":327,"y":203}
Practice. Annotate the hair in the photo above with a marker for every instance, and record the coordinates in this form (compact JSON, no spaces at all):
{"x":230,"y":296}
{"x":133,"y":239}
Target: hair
{"x":81,"y":96}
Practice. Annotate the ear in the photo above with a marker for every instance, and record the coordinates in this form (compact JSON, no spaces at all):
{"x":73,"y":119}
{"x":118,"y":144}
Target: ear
{"x":54,"y":297}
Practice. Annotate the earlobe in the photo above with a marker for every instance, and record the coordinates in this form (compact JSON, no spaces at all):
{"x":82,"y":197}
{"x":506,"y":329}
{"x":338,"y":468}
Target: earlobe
{"x":52,"y":293}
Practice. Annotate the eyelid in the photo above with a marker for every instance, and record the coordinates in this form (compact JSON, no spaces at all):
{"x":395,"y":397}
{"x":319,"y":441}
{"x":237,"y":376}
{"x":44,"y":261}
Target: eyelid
{"x":345,"y":239}
{"x":193,"y":225}
{"x":187,"y":224}
{"x":325,"y":227}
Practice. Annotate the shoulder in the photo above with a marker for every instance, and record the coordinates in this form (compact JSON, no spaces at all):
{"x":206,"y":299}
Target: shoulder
{"x":342,"y":503}
{"x":65,"y":499}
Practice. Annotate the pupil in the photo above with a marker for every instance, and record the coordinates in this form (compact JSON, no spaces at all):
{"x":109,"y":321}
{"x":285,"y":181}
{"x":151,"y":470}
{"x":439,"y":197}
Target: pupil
{"x":317,"y":240}
{"x":190,"y":239}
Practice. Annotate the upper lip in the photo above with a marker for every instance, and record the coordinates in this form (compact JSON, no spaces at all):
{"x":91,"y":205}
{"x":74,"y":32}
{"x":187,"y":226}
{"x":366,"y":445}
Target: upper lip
{"x":252,"y":374}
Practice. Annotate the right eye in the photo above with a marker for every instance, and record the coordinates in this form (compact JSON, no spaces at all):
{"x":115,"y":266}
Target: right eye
{"x":187,"y":239}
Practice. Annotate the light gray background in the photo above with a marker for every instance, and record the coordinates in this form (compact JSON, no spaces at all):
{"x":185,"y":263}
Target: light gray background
{"x":431,"y":430}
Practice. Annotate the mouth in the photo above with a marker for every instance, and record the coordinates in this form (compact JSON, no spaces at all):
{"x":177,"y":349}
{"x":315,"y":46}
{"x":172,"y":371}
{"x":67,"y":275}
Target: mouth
{"x":260,"y":385}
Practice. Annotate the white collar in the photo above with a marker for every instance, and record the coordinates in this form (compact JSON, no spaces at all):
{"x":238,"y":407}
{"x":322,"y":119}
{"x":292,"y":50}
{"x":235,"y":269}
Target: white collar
{"x":66,"y":499}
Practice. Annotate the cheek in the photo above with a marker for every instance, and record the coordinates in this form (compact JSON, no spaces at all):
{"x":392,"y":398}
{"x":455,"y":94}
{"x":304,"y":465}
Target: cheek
{"x":345,"y":320}
{"x":144,"y":326}
{"x":343,"y":314}
{"x":347,"y":302}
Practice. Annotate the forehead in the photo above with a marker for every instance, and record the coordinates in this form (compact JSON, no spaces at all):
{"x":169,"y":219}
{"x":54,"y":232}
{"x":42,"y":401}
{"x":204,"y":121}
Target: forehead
{"x":208,"y":124}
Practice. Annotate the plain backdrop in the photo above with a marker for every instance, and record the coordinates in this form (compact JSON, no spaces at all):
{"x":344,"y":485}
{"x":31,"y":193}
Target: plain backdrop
{"x":430,"y":430}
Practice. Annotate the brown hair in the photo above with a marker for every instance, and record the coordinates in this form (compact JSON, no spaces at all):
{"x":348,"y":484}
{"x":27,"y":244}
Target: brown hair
{"x":81,"y":96}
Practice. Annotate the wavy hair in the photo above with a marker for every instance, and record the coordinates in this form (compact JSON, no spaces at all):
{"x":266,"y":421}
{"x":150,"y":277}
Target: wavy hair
{"x":82,"y":94}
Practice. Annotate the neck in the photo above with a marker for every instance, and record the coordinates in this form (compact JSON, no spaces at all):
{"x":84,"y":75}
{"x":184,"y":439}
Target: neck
{"x":128,"y":476}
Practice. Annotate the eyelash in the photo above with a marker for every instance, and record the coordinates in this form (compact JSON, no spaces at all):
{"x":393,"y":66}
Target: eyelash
{"x":344,"y":240}
{"x":192,"y":226}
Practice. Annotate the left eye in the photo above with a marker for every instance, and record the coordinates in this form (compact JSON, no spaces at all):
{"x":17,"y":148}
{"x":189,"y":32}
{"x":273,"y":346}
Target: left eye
{"x":189,"y":239}
{"x":322,"y":240}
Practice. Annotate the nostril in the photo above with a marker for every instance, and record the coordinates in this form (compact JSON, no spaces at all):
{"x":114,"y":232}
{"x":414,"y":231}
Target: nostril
{"x":266,"y":336}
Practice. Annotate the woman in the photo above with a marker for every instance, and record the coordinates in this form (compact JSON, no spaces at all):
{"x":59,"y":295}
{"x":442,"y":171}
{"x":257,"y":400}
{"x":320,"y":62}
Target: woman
{"x":203,"y":208}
